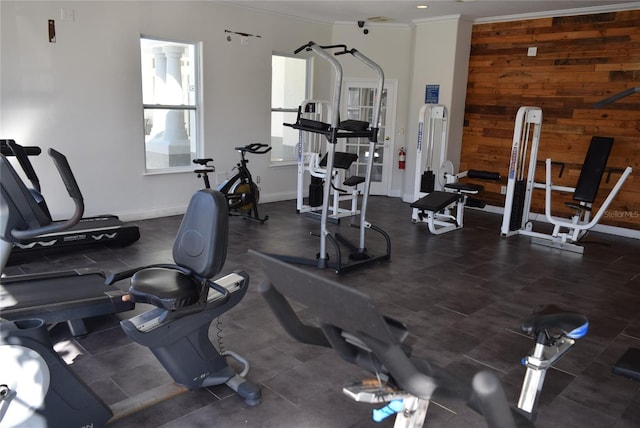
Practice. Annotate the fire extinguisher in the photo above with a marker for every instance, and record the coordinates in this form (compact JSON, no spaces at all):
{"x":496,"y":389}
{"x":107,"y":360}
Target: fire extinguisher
{"x":402,"y":157}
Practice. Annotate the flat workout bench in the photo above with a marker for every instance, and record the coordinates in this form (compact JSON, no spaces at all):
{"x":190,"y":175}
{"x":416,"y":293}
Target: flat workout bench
{"x":433,"y":205}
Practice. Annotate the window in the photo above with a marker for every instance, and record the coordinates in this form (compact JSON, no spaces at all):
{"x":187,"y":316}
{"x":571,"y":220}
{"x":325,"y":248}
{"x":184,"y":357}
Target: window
{"x":171,"y":99}
{"x":289,"y":88}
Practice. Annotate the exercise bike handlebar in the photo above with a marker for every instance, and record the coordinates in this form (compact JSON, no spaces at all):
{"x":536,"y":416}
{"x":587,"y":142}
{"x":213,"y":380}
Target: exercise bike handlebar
{"x":255,"y":148}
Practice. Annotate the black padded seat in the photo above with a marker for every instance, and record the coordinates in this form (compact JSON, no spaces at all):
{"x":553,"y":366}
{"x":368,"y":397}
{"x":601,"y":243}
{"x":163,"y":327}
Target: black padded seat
{"x":354,"y":125}
{"x":199,"y":252}
{"x":435,"y":201}
{"x":313,"y":124}
{"x":573,"y":324}
{"x":578,"y":207}
{"x":341,"y":160}
{"x":465,"y":187}
{"x":165,"y":288}
{"x":354,"y":180}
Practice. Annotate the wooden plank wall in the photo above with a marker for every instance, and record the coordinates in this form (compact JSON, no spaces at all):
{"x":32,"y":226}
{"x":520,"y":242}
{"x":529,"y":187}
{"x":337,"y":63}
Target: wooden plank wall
{"x":580,"y":60}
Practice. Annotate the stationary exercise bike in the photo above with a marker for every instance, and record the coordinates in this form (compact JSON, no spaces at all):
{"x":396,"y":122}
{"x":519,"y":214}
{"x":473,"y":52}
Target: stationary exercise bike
{"x":241,"y":192}
{"x":37,"y":388}
{"x":348,"y":321}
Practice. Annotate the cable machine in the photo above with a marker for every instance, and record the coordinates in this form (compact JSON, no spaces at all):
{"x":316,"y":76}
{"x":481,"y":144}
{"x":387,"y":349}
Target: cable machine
{"x":333,"y":131}
{"x":440,"y":198}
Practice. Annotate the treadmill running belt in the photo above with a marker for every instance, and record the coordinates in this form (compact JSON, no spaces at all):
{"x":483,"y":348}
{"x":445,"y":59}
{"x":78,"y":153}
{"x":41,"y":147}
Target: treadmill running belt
{"x":66,"y":297}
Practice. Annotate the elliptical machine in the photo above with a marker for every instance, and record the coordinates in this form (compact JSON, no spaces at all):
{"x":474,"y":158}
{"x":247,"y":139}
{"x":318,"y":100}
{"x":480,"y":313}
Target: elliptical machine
{"x":240,"y":190}
{"x":38,"y":389}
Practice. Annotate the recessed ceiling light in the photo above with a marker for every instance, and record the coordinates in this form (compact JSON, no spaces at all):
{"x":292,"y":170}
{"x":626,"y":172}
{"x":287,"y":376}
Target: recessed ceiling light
{"x":422,"y":6}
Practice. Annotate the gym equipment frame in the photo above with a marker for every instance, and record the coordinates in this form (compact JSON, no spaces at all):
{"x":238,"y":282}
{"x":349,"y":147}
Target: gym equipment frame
{"x":67,"y":296}
{"x":334,"y":130}
{"x":348,"y":321}
{"x":439,"y":193}
{"x":310,"y":148}
{"x":521,"y":183}
{"x":97,"y":230}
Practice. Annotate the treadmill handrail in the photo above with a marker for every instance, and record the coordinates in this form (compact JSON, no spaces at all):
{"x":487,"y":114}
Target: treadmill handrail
{"x":23,"y":159}
{"x":62,"y":165}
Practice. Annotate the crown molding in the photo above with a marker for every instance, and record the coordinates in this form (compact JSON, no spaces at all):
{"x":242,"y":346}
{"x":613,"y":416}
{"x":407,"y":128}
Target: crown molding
{"x":567,"y":12}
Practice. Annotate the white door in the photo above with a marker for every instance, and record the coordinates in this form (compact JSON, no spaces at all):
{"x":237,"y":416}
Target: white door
{"x":358,"y":98}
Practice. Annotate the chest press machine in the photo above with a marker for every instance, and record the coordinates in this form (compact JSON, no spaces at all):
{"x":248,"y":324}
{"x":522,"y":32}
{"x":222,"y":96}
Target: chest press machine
{"x":521,"y":182}
{"x":440,"y":197}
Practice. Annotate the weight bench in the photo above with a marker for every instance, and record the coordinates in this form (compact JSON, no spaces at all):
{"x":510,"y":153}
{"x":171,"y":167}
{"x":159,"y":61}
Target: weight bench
{"x":437,"y":206}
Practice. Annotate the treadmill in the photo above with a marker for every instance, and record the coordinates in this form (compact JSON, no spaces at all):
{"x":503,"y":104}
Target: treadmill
{"x":98,"y":230}
{"x":69,"y":296}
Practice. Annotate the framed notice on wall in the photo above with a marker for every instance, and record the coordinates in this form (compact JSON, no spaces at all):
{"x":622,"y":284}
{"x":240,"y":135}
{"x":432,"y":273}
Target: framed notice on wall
{"x":431,"y":94}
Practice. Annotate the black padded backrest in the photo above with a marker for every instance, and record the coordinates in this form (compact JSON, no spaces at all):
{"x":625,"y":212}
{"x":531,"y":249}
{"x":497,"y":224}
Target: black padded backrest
{"x":341,"y":160}
{"x":331,"y":302}
{"x":593,"y":169}
{"x":201,"y":243}
{"x":19,"y":209}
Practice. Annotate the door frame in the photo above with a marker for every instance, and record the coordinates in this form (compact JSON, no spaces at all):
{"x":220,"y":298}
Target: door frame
{"x":388,"y":144}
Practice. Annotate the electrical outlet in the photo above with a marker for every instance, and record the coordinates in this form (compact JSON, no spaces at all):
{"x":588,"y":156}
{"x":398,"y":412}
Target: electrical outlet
{"x":257,"y":179}
{"x":67,"y":14}
{"x":503,"y":190}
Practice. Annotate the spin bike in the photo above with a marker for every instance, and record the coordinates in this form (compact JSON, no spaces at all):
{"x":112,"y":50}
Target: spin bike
{"x":241,"y":192}
{"x":349,"y":321}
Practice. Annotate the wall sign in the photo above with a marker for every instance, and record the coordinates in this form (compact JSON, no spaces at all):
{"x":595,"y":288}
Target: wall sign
{"x":431,"y":94}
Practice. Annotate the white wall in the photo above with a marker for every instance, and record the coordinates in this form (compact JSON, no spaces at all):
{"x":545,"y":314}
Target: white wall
{"x":440,"y":57}
{"x":390,"y":47}
{"x":431,"y":52}
{"x":82,"y":94}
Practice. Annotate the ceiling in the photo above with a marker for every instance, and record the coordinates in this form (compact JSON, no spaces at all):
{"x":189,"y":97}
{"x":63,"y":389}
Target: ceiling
{"x":405,"y":12}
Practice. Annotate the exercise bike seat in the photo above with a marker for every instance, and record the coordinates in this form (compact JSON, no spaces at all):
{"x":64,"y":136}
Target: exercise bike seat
{"x":199,"y":252}
{"x":165,"y":288}
{"x":572,"y":324}
{"x":203,"y":161}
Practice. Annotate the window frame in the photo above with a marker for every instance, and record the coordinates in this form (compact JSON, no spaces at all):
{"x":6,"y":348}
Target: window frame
{"x":196,"y":107}
{"x":280,"y":109}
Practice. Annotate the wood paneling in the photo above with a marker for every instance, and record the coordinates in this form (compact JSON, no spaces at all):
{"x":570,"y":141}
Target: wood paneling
{"x":580,"y":60}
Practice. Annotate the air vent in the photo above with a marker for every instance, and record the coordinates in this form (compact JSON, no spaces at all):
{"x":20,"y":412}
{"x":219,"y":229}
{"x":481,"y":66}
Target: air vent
{"x":379,"y":19}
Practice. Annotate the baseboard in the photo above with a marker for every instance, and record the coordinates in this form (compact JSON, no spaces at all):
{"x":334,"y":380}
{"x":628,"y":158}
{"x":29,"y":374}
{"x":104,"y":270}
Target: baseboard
{"x":180,"y":210}
{"x":152,"y":213}
{"x":603,"y":228}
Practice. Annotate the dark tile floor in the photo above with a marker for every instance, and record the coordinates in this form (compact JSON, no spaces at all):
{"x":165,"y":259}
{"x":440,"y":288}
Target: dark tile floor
{"x":463,"y":295}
